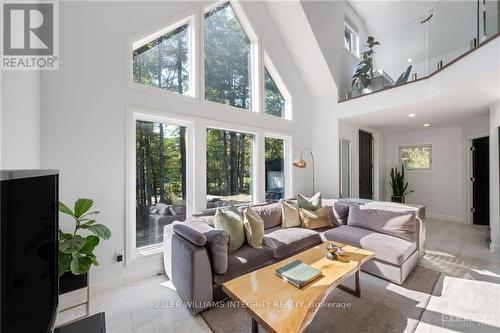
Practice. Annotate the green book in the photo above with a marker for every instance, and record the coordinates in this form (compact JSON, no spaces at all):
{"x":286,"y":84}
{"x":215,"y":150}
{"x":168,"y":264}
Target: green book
{"x":298,"y":273}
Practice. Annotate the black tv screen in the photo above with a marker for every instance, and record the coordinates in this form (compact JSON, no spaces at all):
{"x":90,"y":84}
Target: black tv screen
{"x":28,"y":248}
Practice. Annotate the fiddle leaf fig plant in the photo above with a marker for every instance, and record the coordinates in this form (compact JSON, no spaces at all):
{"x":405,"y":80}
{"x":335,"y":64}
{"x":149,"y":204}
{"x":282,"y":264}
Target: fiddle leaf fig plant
{"x":363,"y":76}
{"x":76,"y":250}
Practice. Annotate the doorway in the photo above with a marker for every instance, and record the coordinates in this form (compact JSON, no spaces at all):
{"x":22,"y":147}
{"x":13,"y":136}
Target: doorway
{"x":480,"y":180}
{"x":365,"y":165}
{"x":345,"y":168}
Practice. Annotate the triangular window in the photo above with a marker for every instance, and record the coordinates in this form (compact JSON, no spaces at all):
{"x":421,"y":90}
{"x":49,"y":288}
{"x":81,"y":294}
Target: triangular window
{"x":227,"y":59}
{"x":163,"y":62}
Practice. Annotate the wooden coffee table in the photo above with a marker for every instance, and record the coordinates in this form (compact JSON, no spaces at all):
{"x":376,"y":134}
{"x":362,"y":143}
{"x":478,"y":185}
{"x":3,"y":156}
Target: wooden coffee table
{"x":280,"y":307}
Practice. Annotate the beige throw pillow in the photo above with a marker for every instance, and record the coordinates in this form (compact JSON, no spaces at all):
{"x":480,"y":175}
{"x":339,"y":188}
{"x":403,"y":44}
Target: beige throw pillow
{"x":290,"y":215}
{"x":317,"y":219}
{"x":254,"y":228}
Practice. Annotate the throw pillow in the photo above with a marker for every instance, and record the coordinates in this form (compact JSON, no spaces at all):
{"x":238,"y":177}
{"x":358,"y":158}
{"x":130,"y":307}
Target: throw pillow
{"x":270,"y":213}
{"x":254,"y":228}
{"x":232,"y":223}
{"x":317,"y":219}
{"x":289,"y":215}
{"x":312,"y":203}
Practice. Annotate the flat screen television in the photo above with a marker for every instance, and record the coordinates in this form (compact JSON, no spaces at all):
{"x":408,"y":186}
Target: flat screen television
{"x":28,"y":250}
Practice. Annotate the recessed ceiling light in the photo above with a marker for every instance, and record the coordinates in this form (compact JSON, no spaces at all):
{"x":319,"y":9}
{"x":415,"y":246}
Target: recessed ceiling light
{"x":412,"y":115}
{"x":409,"y":59}
{"x":427,"y":125}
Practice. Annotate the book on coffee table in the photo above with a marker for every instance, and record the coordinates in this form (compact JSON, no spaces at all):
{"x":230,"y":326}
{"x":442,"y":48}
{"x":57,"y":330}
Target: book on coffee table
{"x":298,"y":273}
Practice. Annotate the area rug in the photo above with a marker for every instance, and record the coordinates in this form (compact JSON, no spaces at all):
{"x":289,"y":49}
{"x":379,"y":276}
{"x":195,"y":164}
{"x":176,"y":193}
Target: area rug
{"x":382,"y":307}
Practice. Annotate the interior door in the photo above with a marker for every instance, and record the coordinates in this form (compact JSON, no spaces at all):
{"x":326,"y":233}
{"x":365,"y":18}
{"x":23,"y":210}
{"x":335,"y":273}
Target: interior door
{"x":365,"y":165}
{"x":480,"y":181}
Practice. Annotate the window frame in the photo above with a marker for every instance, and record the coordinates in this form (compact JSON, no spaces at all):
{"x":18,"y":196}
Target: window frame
{"x":156,"y":31}
{"x":255,"y":59}
{"x":256,"y":175}
{"x":287,"y":163}
{"x":137,"y":114}
{"x":269,"y":65}
{"x":354,"y":32}
{"x":418,"y":145}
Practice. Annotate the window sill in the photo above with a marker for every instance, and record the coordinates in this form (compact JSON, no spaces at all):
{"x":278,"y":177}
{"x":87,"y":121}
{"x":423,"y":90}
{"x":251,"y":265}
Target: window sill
{"x":420,"y":171}
{"x":228,"y":107}
{"x":268,"y":116}
{"x":165,"y":93}
{"x":146,"y":253}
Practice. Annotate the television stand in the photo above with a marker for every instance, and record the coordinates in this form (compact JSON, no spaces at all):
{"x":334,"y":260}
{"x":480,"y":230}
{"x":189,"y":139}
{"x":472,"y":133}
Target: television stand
{"x":92,"y":324}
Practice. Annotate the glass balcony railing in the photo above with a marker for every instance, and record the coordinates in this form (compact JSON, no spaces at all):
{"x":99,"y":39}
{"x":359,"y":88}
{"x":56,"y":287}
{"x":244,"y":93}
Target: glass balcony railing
{"x":423,"y":46}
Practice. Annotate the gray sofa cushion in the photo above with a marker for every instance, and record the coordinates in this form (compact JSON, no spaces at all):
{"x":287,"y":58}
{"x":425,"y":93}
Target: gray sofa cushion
{"x":270,"y":213}
{"x":191,"y":234}
{"x":386,"y":247}
{"x":394,"y":223}
{"x":217,"y":244}
{"x":287,"y":241}
{"x":245,"y":260}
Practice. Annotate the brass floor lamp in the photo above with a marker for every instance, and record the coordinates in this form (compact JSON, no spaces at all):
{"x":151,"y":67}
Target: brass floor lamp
{"x":301,"y":164}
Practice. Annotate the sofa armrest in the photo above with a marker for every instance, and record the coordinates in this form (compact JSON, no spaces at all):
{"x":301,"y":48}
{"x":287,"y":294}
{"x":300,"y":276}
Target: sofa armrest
{"x":191,"y":273}
{"x":190,"y":234}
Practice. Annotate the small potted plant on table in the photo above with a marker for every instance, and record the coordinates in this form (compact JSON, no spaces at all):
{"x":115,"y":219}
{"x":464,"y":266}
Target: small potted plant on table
{"x":399,"y":185}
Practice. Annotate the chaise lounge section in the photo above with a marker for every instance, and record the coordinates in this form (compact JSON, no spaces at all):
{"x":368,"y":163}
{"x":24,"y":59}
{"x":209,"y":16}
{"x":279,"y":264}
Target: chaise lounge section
{"x":198,"y":262}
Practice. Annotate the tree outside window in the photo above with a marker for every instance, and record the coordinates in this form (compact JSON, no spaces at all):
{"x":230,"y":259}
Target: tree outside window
{"x":227,"y":59}
{"x":160,"y":179}
{"x":164,"y":62}
{"x":229,"y":167}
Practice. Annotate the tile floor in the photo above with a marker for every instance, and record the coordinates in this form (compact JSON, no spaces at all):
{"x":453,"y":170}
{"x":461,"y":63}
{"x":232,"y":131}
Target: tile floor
{"x":466,"y":299}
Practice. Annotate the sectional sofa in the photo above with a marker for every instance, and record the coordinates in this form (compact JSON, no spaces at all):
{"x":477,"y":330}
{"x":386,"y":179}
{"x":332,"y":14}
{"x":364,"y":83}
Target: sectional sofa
{"x":197,"y":260}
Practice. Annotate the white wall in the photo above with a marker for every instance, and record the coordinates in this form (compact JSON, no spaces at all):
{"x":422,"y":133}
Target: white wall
{"x":20,"y":120}
{"x":84,"y":109}
{"x":494,"y":177}
{"x":327,"y":21}
{"x":441,"y":190}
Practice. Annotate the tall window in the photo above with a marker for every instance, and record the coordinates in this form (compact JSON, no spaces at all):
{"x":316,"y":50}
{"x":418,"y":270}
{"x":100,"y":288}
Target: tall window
{"x":418,"y":157}
{"x":351,"y":39}
{"x":164,"y":62}
{"x":275,"y":172}
{"x":227,"y":59}
{"x":229,"y":167}
{"x":274,"y":102}
{"x":160,"y":179}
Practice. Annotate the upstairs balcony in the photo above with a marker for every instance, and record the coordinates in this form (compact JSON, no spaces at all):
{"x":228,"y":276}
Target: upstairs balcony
{"x":417,"y":49}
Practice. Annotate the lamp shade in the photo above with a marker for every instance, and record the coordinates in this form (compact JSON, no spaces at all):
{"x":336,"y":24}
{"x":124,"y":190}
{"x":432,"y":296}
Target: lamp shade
{"x":299,"y":163}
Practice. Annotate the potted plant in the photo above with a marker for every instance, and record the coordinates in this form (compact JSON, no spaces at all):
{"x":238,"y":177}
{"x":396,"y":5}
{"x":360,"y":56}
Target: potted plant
{"x":398,"y":184}
{"x":76,"y":249}
{"x":363,"y":76}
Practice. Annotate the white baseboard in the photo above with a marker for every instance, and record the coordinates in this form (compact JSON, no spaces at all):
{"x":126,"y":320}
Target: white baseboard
{"x":495,"y":248}
{"x":458,"y":219}
{"x":124,"y":279}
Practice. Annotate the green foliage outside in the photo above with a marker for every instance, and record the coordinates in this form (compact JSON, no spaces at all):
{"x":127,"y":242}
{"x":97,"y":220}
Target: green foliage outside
{"x":416,"y":157}
{"x":163,"y":62}
{"x":274,"y":102}
{"x":227,"y":59}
